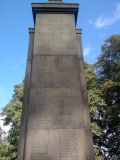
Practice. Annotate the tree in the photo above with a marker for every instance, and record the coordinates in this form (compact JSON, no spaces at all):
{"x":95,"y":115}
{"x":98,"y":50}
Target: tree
{"x":108,"y":73}
{"x":3,"y":136}
{"x":0,"y":135}
{"x":5,"y":151}
{"x":96,"y":104}
{"x":108,"y":64}
{"x":12,"y":113}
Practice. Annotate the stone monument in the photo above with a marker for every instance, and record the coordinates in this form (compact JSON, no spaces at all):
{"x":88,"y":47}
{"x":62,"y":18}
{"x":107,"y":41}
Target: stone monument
{"x":55,"y":122}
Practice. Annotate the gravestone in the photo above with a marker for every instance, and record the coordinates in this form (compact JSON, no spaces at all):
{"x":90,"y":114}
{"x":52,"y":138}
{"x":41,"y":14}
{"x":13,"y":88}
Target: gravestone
{"x":55,"y":122}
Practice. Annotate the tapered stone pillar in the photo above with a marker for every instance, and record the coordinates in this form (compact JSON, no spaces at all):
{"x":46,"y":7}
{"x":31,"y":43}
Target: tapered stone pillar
{"x":55,"y":123}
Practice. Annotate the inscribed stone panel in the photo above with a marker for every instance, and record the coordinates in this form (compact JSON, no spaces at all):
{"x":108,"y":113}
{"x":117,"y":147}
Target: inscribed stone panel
{"x":55,"y":34}
{"x":55,"y":108}
{"x":57,"y":144}
{"x":57,"y":71}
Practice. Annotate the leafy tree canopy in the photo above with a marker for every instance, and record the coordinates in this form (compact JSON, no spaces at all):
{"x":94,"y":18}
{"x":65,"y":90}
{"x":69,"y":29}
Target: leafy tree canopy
{"x":108,"y":72}
{"x":12,"y":113}
{"x":108,"y":63}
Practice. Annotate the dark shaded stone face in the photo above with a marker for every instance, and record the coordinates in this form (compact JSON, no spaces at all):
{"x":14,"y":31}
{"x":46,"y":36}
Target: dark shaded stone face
{"x":57,"y":122}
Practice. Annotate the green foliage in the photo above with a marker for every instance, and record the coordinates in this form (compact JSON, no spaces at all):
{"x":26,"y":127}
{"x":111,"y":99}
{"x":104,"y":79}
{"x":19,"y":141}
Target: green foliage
{"x":91,"y":77}
{"x":12,"y":113}
{"x":111,"y":119}
{"x":97,"y":155}
{"x":95,"y":103}
{"x":108,"y":64}
{"x":0,"y":135}
{"x":104,"y":99}
{"x":108,"y":72}
{"x":4,"y":152}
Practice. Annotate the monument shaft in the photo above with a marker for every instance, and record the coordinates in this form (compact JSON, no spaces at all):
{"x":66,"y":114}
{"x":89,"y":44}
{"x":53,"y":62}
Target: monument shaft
{"x":55,"y":123}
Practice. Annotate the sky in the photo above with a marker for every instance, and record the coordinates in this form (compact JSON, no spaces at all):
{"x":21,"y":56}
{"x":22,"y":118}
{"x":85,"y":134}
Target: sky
{"x":98,"y":20}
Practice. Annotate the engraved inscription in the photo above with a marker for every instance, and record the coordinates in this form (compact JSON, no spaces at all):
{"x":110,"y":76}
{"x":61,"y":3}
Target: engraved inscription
{"x":55,"y":70}
{"x":41,"y":110}
{"x":58,"y":113}
{"x":53,"y":36}
{"x":68,"y":148}
{"x":66,"y":107}
{"x":65,"y":92}
{"x":39,"y":148}
{"x":68,"y":124}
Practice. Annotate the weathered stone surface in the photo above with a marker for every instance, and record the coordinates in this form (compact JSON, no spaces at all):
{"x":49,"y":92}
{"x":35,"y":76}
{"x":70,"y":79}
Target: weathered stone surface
{"x":55,"y":119}
{"x":55,"y":8}
{"x":85,"y":112}
{"x":25,"y":106}
{"x":55,"y":35}
{"x":79,"y":44}
{"x":55,"y":100}
{"x":56,"y":144}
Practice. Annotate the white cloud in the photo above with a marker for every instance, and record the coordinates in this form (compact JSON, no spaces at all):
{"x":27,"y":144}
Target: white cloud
{"x":86,"y":50}
{"x":103,"y":21}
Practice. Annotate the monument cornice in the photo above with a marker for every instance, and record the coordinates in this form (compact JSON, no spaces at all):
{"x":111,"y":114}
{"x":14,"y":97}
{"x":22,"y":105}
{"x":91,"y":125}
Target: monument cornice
{"x":54,"y":8}
{"x":31,"y":30}
{"x":78,"y":31}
